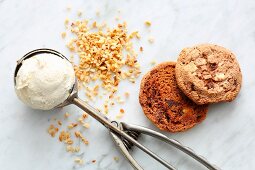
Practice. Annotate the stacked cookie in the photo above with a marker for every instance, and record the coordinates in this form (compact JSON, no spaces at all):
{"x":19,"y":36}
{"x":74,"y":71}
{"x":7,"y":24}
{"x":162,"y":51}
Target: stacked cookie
{"x":175,"y":96}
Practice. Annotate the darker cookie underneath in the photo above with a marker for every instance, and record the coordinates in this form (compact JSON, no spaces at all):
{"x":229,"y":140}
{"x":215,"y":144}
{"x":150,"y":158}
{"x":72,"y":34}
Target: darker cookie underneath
{"x":164,"y":103}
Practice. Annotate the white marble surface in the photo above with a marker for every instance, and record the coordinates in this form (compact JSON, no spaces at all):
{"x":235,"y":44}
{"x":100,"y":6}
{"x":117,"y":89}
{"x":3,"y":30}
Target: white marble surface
{"x":226,"y":137}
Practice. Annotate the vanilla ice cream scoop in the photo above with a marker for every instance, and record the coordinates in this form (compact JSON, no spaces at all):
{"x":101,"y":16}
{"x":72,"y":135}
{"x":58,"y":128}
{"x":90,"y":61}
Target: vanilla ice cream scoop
{"x":44,"y":81}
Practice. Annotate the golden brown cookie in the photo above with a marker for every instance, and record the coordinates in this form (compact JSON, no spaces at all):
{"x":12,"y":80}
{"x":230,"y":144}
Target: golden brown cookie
{"x":208,"y":74}
{"x":165,"y":104}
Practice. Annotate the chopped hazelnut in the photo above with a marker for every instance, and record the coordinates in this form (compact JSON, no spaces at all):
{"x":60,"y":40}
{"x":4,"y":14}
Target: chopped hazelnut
{"x":79,"y":13}
{"x":122,"y":111}
{"x":147,"y":23}
{"x":86,"y":125}
{"x":59,"y":123}
{"x":219,"y":77}
{"x":78,"y":161}
{"x":151,"y":40}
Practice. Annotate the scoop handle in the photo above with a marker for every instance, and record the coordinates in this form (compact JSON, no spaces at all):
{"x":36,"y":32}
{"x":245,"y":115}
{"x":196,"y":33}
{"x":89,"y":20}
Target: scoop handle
{"x":107,"y":123}
{"x":92,"y":112}
{"x":175,"y":143}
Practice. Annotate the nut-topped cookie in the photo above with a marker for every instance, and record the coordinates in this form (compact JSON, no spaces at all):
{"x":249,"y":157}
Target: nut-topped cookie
{"x":208,"y":73}
{"x":165,"y":104}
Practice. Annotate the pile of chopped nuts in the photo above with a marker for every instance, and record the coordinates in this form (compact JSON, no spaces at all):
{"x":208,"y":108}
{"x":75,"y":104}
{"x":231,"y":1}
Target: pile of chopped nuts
{"x":101,"y":55}
{"x":104,"y":54}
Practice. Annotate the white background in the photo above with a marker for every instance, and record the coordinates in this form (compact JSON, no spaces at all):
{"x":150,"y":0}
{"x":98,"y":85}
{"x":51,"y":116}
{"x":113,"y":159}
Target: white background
{"x":226,"y":137}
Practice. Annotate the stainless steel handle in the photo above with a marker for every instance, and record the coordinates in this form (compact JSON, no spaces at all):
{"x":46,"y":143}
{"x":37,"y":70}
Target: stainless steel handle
{"x":98,"y":116}
{"x":125,"y":152}
{"x":172,"y":142}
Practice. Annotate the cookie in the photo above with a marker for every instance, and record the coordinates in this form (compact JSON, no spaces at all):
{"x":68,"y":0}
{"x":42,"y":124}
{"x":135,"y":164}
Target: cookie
{"x":165,"y":104}
{"x":208,"y":74}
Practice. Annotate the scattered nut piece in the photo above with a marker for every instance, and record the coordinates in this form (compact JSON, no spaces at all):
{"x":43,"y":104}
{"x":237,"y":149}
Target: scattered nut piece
{"x":98,"y":13}
{"x":63,"y":34}
{"x":67,"y":115}
{"x":80,"y":119}
{"x":119,"y":116}
{"x":78,"y":161}
{"x":135,"y":34}
{"x":86,"y":125}
{"x":122,"y":111}
{"x":151,"y":40}
{"x":116,"y":158}
{"x":147,"y":23}
{"x":94,"y":25}
{"x":85,"y":115}
{"x":66,"y":21}
{"x":68,"y":8}
{"x":72,"y":125}
{"x":79,"y":13}
{"x":64,"y":136}
{"x":59,"y":123}
{"x":52,"y":130}
{"x":153,"y":62}
{"x":126,"y":94}
{"x":70,"y":148}
{"x":69,"y":141}
{"x":79,"y":135}
{"x":117,"y":18}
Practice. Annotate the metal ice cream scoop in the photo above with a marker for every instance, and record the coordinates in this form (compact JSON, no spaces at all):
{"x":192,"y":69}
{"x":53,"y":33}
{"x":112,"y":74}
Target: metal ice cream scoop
{"x":125,"y":135}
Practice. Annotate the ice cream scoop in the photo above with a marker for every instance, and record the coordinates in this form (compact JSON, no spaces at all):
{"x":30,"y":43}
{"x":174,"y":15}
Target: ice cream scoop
{"x":44,"y":81}
{"x":125,"y":135}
